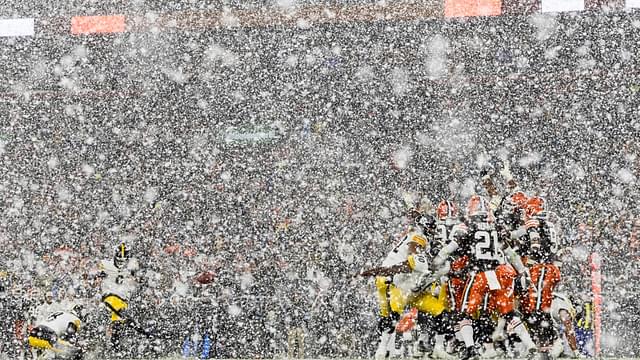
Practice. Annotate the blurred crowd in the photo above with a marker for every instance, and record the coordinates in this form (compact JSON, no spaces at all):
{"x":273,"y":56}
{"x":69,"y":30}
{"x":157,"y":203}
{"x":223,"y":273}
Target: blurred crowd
{"x":132,"y":140}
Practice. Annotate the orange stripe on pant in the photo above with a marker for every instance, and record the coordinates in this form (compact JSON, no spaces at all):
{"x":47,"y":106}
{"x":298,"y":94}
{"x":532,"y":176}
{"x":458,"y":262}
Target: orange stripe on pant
{"x":544,"y":278}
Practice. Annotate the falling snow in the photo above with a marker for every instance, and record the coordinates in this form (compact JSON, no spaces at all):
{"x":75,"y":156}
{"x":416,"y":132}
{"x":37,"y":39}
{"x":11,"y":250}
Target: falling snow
{"x":256,"y":156}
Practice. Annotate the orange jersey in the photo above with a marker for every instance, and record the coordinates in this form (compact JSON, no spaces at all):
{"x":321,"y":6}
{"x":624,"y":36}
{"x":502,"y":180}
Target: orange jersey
{"x":544,"y":278}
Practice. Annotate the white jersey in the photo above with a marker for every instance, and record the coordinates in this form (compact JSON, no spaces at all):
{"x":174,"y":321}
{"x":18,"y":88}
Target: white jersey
{"x":400,"y":251}
{"x":399,"y":254}
{"x":60,"y":321}
{"x":119,"y":282}
{"x":561,"y":302}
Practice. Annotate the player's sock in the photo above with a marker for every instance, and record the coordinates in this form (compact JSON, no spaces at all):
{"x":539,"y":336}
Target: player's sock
{"x":522,"y":332}
{"x":466,"y":332}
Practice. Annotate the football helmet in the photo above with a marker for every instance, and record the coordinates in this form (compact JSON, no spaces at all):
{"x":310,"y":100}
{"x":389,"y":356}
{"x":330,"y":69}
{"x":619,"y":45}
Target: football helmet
{"x":518,"y":199}
{"x":535,"y":206}
{"x":478,"y":208}
{"x":446,"y":210}
{"x":121,"y":256}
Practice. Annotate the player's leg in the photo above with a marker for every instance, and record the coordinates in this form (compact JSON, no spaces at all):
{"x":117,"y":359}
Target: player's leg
{"x":386,"y":326}
{"x":569,"y":331}
{"x":431,"y":305}
{"x":503,"y":302}
{"x":392,"y":303}
{"x":472,"y":299}
{"x":516,"y":326}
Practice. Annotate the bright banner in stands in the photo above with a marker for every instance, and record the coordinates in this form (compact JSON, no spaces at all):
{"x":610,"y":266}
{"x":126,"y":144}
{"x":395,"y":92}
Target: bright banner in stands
{"x":16,"y":27}
{"x":633,"y":4}
{"x":461,"y":8}
{"x":561,"y":5}
{"x":98,"y":24}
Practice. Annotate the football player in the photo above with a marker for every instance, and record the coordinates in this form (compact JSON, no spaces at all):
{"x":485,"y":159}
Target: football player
{"x":563,"y":314}
{"x":394,"y":280}
{"x":539,"y":249}
{"x":477,"y":238}
{"x":56,"y":336}
{"x":118,"y":285}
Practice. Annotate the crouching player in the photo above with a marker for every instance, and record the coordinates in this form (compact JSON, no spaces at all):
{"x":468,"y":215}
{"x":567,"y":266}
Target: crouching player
{"x":57,"y":335}
{"x":563,"y":314}
{"x":405,"y":271}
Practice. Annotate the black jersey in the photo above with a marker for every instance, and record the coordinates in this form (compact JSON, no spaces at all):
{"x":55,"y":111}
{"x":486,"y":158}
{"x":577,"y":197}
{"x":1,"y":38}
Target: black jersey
{"x":479,"y":241}
{"x":540,"y":245}
{"x":443,"y":234}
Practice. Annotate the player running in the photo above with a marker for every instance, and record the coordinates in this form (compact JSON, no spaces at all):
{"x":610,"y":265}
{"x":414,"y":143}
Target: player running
{"x":119,"y":284}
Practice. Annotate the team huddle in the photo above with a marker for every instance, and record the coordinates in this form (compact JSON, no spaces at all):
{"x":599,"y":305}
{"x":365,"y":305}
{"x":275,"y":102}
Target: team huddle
{"x":478,"y":284}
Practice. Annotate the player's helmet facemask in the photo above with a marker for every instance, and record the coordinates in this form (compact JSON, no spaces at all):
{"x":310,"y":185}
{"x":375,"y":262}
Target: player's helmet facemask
{"x":121,"y":256}
{"x":427,"y":223}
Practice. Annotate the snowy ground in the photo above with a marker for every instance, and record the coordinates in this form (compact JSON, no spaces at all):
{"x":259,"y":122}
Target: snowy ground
{"x":178,"y":357}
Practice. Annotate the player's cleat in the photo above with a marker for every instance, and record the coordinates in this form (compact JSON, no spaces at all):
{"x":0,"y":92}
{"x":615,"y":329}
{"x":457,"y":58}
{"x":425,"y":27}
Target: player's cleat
{"x":381,"y":354}
{"x":421,"y":348}
{"x":490,"y":354}
{"x":440,"y":353}
{"x":533,"y":353}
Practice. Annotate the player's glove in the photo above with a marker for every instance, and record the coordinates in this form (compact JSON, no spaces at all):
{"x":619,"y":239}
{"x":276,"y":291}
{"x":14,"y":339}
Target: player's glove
{"x":524,"y":280}
{"x":486,"y":172}
{"x":506,"y":171}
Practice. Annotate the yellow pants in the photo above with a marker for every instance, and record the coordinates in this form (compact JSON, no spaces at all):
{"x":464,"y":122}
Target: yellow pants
{"x":391,"y":298}
{"x":37,"y":343}
{"x":115,"y":304}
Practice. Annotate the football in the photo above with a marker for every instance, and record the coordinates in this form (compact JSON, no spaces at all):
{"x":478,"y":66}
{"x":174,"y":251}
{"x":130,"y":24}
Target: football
{"x":205,"y":277}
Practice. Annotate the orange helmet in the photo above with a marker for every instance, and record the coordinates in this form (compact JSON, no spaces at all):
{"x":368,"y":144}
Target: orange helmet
{"x":535,"y":205}
{"x":478,"y":207}
{"x":446,"y":209}
{"x":519,"y":199}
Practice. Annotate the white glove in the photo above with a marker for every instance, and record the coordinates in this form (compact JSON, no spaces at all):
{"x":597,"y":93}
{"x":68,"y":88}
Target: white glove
{"x":525,"y":279}
{"x":506,"y":171}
